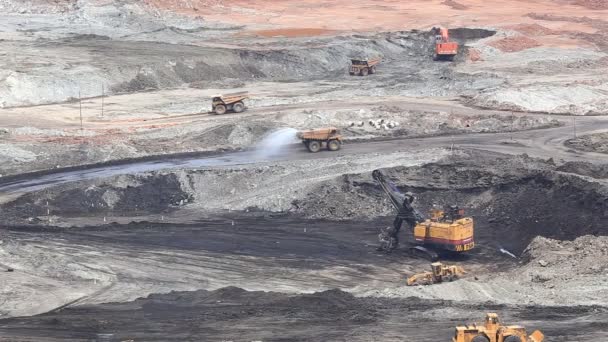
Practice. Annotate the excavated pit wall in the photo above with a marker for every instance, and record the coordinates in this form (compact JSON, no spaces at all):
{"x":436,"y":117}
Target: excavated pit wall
{"x":133,"y":66}
{"x":512,"y":199}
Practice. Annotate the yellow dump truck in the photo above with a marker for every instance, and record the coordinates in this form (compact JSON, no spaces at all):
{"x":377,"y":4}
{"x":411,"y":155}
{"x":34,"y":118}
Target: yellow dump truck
{"x":229,"y":102}
{"x":363,"y":67}
{"x":315,"y":139}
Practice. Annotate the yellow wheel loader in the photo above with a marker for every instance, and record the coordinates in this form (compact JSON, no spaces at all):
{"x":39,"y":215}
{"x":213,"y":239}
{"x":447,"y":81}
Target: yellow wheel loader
{"x":493,"y":331}
{"x":439,"y":273}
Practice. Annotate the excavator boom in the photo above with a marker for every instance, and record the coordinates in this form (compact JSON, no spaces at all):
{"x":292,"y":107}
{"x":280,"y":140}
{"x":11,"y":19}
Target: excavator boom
{"x":402,"y":202}
{"x":389,"y":238}
{"x":445,"y":35}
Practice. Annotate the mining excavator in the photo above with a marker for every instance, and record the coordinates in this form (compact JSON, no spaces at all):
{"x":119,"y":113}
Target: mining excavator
{"x":493,"y":331}
{"x":439,"y":273}
{"x":445,"y":49}
{"x":445,"y":230}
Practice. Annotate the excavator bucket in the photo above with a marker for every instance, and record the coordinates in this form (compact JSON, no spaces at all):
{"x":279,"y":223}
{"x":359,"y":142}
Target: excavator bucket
{"x":537,"y":336}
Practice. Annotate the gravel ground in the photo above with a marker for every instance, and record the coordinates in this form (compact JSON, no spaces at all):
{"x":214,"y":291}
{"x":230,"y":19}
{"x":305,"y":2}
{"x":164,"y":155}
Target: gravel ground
{"x":513,"y":200}
{"x":593,"y":143}
{"x":297,"y":236}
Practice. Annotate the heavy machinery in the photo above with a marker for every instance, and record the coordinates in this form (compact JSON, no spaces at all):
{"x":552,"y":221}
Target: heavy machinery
{"x":315,"y":139}
{"x":439,"y":273}
{"x":445,"y":230}
{"x":229,"y":102}
{"x":493,"y":331}
{"x":363,"y":67}
{"x":444,"y":48}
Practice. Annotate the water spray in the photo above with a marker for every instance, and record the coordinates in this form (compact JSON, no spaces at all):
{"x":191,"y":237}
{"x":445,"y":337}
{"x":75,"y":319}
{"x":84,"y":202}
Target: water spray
{"x":274,"y":142}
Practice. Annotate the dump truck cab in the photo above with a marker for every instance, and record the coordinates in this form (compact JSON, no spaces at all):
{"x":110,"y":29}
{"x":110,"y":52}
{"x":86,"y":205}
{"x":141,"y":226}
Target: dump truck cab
{"x":216,"y":100}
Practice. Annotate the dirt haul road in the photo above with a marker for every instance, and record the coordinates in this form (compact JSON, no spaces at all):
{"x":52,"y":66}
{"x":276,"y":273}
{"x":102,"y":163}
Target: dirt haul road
{"x":544,"y":143}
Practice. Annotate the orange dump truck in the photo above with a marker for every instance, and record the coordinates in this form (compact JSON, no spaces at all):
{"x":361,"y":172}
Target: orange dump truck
{"x":315,"y":139}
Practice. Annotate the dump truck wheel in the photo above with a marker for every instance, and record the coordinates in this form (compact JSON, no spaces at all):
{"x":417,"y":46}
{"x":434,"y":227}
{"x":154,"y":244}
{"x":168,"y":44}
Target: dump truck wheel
{"x":451,"y":58}
{"x":238,"y":107}
{"x":480,"y":338}
{"x":333,"y":145}
{"x":364,"y":71}
{"x":512,"y":338}
{"x":220,"y":109}
{"x":372,"y":70}
{"x":314,"y":146}
{"x":435,"y":57}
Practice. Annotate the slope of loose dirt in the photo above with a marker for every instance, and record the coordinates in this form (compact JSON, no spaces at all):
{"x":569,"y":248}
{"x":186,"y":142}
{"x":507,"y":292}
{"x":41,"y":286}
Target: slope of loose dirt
{"x":513,"y":44}
{"x":509,"y":194}
{"x":513,"y":200}
{"x":599,"y":171}
{"x":267,"y":316}
{"x":170,"y":57}
{"x":593,"y":143}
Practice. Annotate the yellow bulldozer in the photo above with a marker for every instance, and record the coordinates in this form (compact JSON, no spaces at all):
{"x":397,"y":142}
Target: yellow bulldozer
{"x":493,"y":331}
{"x":439,"y":273}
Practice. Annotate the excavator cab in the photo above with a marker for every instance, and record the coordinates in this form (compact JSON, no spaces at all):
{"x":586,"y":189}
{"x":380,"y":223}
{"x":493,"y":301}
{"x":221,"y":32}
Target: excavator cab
{"x":436,"y":215}
{"x":448,"y":215}
{"x":453,"y":213}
